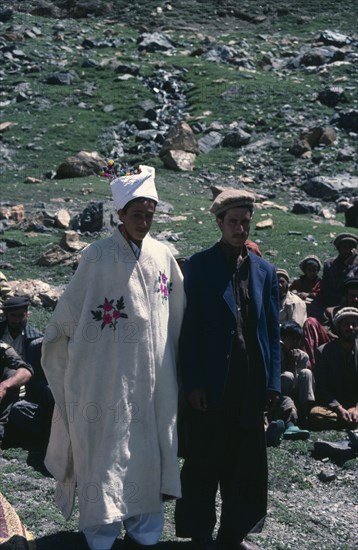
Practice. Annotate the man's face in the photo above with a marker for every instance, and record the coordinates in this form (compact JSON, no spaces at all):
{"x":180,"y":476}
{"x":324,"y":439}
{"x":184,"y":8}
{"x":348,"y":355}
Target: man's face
{"x":352,"y":297}
{"x":291,"y":341}
{"x":346,"y":249}
{"x":311,"y":271}
{"x":348,"y":329}
{"x":283,"y":286}
{"x":235,"y":227}
{"x":138,"y":219}
{"x":17,"y":319}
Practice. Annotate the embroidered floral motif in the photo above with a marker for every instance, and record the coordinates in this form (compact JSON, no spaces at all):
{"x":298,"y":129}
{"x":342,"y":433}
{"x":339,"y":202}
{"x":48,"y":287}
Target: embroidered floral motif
{"x":164,"y":286}
{"x":109,"y":314}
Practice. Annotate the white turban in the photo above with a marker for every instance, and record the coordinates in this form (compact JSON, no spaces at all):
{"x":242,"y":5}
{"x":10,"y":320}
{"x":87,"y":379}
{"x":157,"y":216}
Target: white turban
{"x":126,"y":188}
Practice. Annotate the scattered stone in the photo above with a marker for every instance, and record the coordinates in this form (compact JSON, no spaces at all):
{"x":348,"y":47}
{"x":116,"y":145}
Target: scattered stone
{"x":180,"y":138}
{"x":265,"y":224}
{"x":54,"y":256}
{"x":305,"y":207}
{"x":6,"y":126}
{"x":38,"y":291}
{"x":236,"y":139}
{"x":18,"y":213}
{"x":346,"y":154}
{"x":62,"y":218}
{"x":154,"y":42}
{"x":332,"y":96}
{"x":330,"y":187}
{"x":71,"y":241}
{"x":30,"y":179}
{"x":210,"y":141}
{"x":62,"y":78}
{"x":326,"y":476}
{"x":334,"y":38}
{"x":347,"y":120}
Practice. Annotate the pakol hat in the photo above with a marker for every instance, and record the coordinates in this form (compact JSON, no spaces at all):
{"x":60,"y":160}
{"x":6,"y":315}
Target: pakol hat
{"x":283,"y":273}
{"x":16,"y":302}
{"x":350,"y":281}
{"x":232,"y":198}
{"x":342,"y":237}
{"x":344,"y":313}
{"x":132,"y":186}
{"x":312,"y":259}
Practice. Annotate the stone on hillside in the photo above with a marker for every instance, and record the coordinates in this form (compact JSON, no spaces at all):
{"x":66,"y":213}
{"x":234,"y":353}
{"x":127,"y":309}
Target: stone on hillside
{"x":38,"y":291}
{"x":311,"y":138}
{"x":316,"y":57}
{"x":305,"y":207}
{"x":154,"y":42}
{"x":334,"y":38}
{"x":30,"y":179}
{"x":347,"y":120}
{"x":332,"y":96}
{"x":62,"y":78}
{"x":236,"y":139}
{"x":179,"y":160}
{"x":265,"y":224}
{"x":80,"y":165}
{"x":330,"y":187}
{"x":346,"y":154}
{"x":54,"y":256}
{"x":328,"y":137}
{"x":180,"y":138}
{"x":6,"y":14}
{"x":95,"y":217}
{"x":6,"y":126}
{"x":62,"y":218}
{"x":5,"y":213}
{"x":127,"y":68}
{"x":210,"y":141}
{"x":71,"y":241}
{"x":300,"y":147}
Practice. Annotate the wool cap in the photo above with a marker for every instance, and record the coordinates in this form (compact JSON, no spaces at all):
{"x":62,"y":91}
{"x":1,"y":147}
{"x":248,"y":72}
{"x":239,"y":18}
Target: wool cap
{"x":232,"y":198}
{"x":350,"y":281}
{"x":344,"y":313}
{"x":132,"y":186}
{"x":312,"y":259}
{"x":283,"y":273}
{"x":342,"y":237}
{"x":16,"y":302}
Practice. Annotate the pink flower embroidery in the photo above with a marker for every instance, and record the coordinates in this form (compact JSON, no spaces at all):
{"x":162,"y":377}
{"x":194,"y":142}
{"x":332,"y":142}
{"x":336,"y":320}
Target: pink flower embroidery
{"x":110,"y":319}
{"x":164,"y":286}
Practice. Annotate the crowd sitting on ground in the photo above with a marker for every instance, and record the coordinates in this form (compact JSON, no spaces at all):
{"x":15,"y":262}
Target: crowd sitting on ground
{"x":319,"y":356}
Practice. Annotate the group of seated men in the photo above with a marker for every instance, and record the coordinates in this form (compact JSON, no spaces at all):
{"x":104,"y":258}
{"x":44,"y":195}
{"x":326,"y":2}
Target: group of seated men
{"x":319,"y":345}
{"x":319,"y":355}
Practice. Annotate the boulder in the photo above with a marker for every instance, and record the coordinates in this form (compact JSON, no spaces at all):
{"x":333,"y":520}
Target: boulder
{"x":179,"y":160}
{"x":332,"y":96}
{"x":154,"y":42}
{"x":210,"y":141}
{"x":180,"y":138}
{"x":236,"y":139}
{"x":347,"y":120}
{"x":330,"y":187}
{"x":54,"y":256}
{"x":40,"y":293}
{"x":265,"y":224}
{"x":62,"y":218}
{"x":80,"y":165}
{"x":71,"y":241}
{"x":305,"y":207}
{"x":346,"y":154}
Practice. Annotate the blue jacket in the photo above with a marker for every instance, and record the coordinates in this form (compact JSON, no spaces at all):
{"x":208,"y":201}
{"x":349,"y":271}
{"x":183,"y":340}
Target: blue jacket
{"x":210,"y":322}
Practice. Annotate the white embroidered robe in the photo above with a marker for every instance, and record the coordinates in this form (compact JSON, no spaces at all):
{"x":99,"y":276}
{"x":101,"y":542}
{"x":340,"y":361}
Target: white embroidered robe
{"x":109,"y":355}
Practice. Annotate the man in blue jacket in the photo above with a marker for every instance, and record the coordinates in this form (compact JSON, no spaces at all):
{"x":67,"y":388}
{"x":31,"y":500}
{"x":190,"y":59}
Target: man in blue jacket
{"x":230,"y":361}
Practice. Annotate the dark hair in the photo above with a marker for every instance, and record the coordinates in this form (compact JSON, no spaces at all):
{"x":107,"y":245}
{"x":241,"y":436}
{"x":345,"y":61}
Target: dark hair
{"x":222,"y":215}
{"x":290,"y":328}
{"x":139,"y":199}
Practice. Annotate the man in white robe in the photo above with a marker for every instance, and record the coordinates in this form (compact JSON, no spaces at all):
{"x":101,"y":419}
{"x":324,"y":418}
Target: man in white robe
{"x":109,"y":355}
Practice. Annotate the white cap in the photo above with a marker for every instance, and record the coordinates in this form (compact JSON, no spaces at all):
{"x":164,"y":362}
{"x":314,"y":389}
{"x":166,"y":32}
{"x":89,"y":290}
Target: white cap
{"x":126,"y":188}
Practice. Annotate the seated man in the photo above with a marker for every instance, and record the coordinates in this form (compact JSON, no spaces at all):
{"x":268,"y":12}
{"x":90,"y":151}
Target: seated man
{"x":336,"y":374}
{"x":14,"y":372}
{"x":31,"y":416}
{"x":292,"y":308}
{"x":297,"y":395}
{"x":337,"y":270}
{"x":316,"y":334}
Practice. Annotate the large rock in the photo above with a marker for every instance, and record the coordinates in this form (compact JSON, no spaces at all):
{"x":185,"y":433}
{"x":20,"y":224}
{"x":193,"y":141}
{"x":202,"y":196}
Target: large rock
{"x":40,"y":293}
{"x":179,"y":160}
{"x":154,"y":42}
{"x":236,"y":139}
{"x":80,"y":165}
{"x":210,"y":141}
{"x":332,"y":96}
{"x":347,"y":120}
{"x":180,"y":138}
{"x":54,"y":256}
{"x":330,"y":188}
{"x":95,"y":217}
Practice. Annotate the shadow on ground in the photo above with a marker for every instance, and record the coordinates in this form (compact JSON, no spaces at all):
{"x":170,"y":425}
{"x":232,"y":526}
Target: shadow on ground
{"x":76,"y":541}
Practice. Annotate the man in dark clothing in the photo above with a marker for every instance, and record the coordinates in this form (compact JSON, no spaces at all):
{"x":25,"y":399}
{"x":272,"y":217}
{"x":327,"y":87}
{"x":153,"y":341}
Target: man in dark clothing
{"x":230,"y":361}
{"x":336,"y":375}
{"x":31,"y":415}
{"x":14,"y":372}
{"x":337,"y":270}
